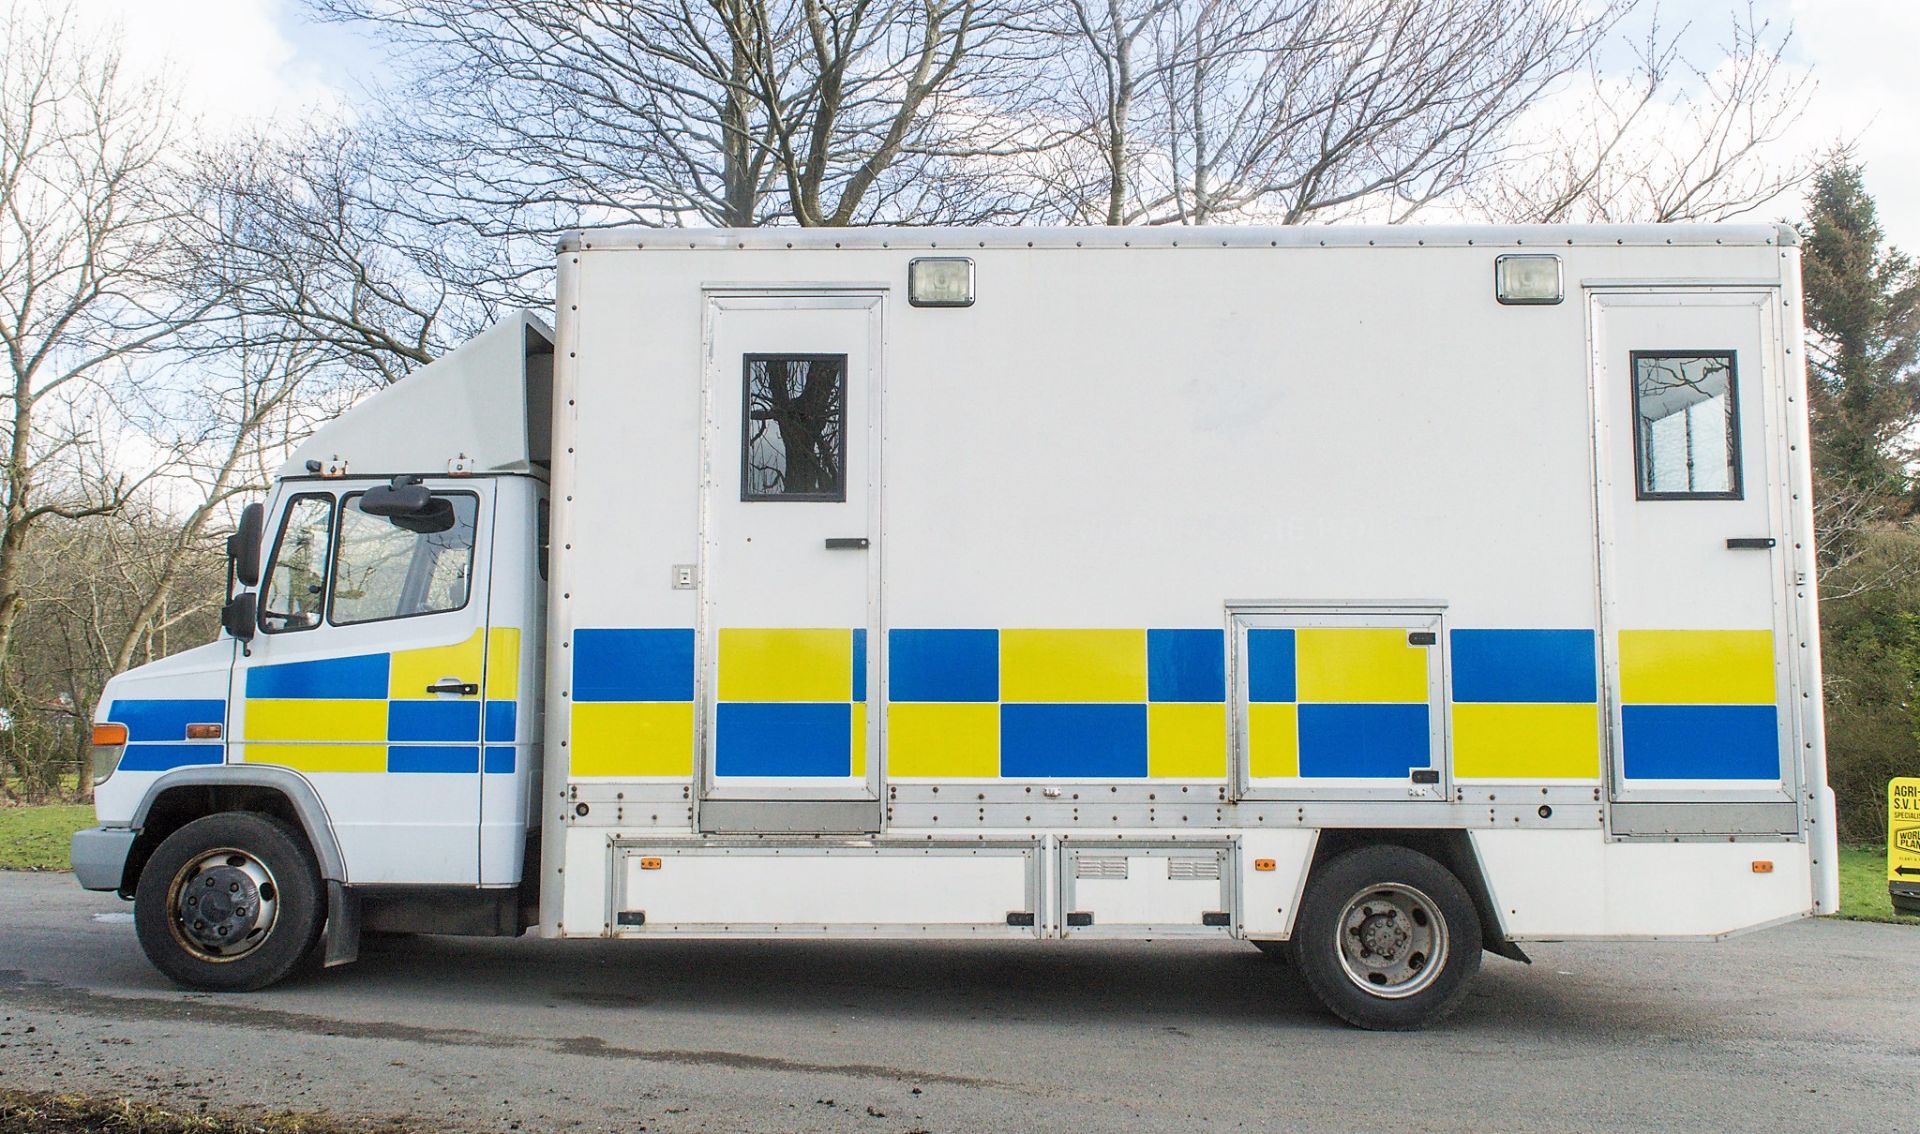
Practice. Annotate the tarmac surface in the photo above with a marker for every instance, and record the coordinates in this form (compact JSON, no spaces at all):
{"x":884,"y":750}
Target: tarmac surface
{"x":1813,"y":1026}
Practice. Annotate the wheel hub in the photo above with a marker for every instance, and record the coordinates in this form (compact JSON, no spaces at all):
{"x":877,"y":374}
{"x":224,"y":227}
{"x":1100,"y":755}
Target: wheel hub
{"x":1393,"y":940}
{"x":224,"y":904}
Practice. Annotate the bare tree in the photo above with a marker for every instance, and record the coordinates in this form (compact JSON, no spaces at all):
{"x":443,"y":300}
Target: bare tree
{"x":541,"y":115}
{"x":305,"y":237}
{"x":86,"y":213}
{"x":1302,"y":110}
{"x":1674,"y":139}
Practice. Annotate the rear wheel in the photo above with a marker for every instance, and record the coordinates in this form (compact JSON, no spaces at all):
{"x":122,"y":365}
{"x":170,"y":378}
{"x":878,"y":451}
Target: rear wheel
{"x":1387,"y":938}
{"x":230,"y":902}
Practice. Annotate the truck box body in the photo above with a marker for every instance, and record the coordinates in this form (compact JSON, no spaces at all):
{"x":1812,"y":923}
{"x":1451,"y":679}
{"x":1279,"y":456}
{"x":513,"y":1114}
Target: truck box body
{"x":1094,"y":592}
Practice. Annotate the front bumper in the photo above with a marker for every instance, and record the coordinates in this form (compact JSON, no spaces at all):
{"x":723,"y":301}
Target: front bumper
{"x":100,"y":856}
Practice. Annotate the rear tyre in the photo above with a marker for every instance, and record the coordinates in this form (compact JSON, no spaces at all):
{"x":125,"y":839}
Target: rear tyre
{"x":229,"y":903}
{"x":1387,"y":938}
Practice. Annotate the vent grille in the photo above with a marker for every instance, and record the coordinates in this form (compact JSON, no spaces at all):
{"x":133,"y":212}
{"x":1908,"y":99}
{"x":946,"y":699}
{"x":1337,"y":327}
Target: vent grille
{"x":1084,"y":867}
{"x":1193,"y":869}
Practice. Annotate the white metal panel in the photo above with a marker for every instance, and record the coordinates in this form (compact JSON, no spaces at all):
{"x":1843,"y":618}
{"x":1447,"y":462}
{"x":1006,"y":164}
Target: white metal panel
{"x":1130,"y":889}
{"x":471,"y":403}
{"x":827,"y":888}
{"x":1553,"y":885}
{"x":1270,"y":899}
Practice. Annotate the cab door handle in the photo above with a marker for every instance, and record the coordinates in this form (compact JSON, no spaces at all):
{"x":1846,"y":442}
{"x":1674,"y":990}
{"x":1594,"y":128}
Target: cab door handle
{"x":846,"y":543}
{"x":464,"y":688}
{"x":1751,"y":543}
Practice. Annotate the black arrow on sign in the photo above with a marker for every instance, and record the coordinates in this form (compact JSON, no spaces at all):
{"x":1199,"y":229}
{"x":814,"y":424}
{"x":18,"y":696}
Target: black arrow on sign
{"x":1905,"y":870}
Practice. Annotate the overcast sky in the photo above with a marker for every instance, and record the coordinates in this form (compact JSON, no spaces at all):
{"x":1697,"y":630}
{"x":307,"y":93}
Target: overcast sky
{"x":238,"y":59}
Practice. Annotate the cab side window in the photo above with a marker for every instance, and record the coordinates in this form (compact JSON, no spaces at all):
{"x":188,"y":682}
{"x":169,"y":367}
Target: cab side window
{"x":403,"y":566}
{"x":296,"y":590}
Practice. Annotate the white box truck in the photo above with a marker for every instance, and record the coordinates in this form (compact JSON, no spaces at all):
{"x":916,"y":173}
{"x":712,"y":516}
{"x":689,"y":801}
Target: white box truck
{"x":1385,"y":595}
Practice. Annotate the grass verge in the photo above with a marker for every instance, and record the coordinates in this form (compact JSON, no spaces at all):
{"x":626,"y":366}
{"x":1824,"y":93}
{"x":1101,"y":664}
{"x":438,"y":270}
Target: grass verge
{"x":1863,"y":886}
{"x":36,"y":837}
{"x":37,"y":1112}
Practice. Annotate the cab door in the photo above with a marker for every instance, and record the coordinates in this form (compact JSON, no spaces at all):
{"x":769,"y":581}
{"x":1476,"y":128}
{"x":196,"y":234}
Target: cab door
{"x":1694,"y":554}
{"x":368,"y":668}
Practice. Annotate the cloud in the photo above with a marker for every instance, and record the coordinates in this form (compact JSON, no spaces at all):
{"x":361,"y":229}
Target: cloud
{"x":232,"y":63}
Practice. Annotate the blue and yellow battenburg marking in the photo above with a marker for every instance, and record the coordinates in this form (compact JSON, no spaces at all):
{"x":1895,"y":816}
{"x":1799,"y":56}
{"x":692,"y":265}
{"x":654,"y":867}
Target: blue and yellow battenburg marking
{"x":1323,"y":703}
{"x":157,"y":732}
{"x":372,"y":712}
{"x":1336,"y":703}
{"x":1699,"y":705}
{"x":1072,"y":704}
{"x":1525,"y":705}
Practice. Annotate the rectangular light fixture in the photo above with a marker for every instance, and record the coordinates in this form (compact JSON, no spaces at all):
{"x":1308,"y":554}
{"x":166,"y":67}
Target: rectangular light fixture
{"x":940,"y":281}
{"x":1527,"y":279}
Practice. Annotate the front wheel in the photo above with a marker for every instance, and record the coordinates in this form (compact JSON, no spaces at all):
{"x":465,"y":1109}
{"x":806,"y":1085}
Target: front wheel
{"x":229,"y":903}
{"x":1387,"y":938}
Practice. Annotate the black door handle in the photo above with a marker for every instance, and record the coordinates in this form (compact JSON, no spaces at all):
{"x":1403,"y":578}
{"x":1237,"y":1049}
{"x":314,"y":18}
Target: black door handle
{"x":464,"y":688}
{"x":841,"y":543}
{"x":1752,"y":543}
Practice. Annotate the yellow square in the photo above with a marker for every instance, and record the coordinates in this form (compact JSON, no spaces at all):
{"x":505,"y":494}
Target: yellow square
{"x":503,"y":663}
{"x":634,"y":739}
{"x":319,"y":757}
{"x":1363,"y":664}
{"x":1069,"y":666}
{"x":786,"y":665}
{"x":1696,"y":667}
{"x":1187,"y":741}
{"x":960,"y":741}
{"x":314,"y":719}
{"x":1273,"y":740}
{"x":1526,"y":742}
{"x":411,"y":671}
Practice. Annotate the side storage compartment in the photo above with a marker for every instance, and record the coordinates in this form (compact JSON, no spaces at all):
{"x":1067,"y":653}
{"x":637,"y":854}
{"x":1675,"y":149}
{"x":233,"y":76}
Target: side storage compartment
{"x":1147,"y":889}
{"x":799,"y":887}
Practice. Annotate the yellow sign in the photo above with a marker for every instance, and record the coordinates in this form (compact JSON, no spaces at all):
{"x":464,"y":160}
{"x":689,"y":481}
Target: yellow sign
{"x":1903,"y":830}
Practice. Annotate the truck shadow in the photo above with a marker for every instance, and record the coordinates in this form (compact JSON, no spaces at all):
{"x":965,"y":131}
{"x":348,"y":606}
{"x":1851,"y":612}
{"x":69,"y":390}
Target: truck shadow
{"x":1168,"y":984}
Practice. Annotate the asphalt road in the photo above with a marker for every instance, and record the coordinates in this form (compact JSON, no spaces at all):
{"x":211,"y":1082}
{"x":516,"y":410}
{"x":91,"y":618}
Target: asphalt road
{"x":1808,"y":1027}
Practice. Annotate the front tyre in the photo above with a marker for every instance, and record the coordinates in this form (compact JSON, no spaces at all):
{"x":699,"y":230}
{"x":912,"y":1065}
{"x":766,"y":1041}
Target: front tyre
{"x":1387,"y":938}
{"x":229,"y":903}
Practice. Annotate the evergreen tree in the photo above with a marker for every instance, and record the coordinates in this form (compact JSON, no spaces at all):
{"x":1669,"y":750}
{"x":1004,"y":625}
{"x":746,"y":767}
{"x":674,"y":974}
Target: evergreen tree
{"x":1863,"y":305}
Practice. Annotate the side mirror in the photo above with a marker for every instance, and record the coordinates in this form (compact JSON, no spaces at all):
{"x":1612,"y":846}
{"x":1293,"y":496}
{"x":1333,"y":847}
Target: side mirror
{"x":405,"y":496}
{"x":240,"y":615}
{"x":243,"y":546}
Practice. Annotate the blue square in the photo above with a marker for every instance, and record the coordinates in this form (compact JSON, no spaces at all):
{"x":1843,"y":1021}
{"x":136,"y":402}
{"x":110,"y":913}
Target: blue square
{"x":1363,"y":741}
{"x":1270,"y":660}
{"x":1187,"y":665}
{"x":943,"y":665}
{"x":633,"y":665}
{"x":1524,"y":666}
{"x":778,"y":738}
{"x":1083,"y":742}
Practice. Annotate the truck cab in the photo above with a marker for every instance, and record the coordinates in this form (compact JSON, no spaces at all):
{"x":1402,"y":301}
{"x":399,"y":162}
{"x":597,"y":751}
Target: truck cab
{"x":362,"y":745}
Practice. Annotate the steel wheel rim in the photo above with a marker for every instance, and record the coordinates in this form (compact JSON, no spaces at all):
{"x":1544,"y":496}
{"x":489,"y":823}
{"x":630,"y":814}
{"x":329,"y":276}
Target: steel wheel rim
{"x":222,"y":905}
{"x":1393,"y":940}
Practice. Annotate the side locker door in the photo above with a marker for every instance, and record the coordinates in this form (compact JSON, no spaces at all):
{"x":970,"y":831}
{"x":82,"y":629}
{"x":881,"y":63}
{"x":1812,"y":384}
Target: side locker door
{"x":1339,"y":703}
{"x":790,"y":571}
{"x":1693,"y":549}
{"x":366,"y":672}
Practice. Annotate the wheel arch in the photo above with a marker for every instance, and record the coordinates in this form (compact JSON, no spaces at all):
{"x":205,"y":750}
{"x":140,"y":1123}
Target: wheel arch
{"x":181,"y":796}
{"x":1453,"y":849}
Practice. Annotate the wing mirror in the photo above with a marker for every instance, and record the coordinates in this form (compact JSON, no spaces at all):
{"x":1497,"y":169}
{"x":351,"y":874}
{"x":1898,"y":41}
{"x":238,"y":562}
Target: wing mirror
{"x":243,"y":546}
{"x":239,"y":616}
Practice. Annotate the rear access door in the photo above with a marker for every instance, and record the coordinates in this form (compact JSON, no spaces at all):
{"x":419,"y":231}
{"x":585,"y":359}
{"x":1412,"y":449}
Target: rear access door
{"x":1694,"y":542}
{"x":790,"y":571}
